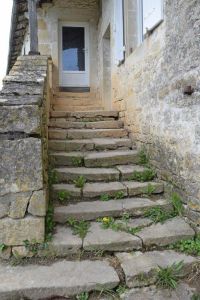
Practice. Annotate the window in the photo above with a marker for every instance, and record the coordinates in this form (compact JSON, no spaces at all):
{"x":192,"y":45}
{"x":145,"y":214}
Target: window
{"x":152,"y":14}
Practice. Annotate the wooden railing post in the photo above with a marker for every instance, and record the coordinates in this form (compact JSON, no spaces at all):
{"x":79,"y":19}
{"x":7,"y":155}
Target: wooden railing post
{"x":33,"y":26}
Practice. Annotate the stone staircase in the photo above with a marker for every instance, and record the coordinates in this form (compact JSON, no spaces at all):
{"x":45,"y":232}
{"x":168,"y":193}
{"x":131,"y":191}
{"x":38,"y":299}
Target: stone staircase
{"x":102,"y":234}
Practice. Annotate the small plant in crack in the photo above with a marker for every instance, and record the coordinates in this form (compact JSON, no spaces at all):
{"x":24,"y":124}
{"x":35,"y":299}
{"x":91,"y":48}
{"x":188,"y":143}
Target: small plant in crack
{"x":80,"y":182}
{"x":191,"y":246}
{"x":149,"y":190}
{"x":119,"y":195}
{"x":143,"y":158}
{"x":196,"y":297}
{"x":105,"y":197}
{"x":49,"y":223}
{"x":77,"y":161}
{"x":3,"y":247}
{"x":118,"y":225}
{"x":158,"y":214}
{"x":34,"y":247}
{"x":64,"y":196}
{"x":52,"y":177}
{"x":121,"y":289}
{"x":146,"y":175}
{"x":79,"y":228}
{"x":168,"y":277}
{"x":83,"y":296}
{"x":177,"y":204}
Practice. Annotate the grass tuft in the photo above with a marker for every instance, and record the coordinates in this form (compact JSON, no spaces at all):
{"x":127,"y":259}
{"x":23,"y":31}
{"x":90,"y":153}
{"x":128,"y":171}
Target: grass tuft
{"x":80,"y":182}
{"x":79,"y":228}
{"x":167,"y":278}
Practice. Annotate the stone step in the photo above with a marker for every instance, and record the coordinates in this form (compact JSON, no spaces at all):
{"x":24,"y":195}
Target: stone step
{"x":76,"y":134}
{"x":135,"y":188}
{"x":59,"y":279}
{"x":99,"y":238}
{"x":76,"y":101}
{"x":86,"y":116}
{"x":71,"y":108}
{"x":68,"y":175}
{"x":112,"y":189}
{"x":111,"y":158}
{"x":126,"y":171}
{"x":65,"y":124}
{"x":182,"y":292}
{"x":89,"y":145}
{"x":140,"y":268}
{"x":113,"y":208}
{"x":164,"y":234}
{"x":66,"y":159}
{"x":95,"y":190}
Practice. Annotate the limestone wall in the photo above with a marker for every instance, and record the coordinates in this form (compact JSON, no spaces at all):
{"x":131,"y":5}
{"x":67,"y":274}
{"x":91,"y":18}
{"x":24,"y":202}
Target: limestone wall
{"x":23,"y":152}
{"x":150,"y":90}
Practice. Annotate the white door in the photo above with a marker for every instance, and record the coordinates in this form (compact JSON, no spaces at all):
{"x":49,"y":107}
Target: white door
{"x":74,"y":54}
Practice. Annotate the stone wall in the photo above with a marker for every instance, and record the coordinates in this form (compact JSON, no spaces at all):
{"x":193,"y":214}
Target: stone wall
{"x":157,"y":91}
{"x":23,"y":152}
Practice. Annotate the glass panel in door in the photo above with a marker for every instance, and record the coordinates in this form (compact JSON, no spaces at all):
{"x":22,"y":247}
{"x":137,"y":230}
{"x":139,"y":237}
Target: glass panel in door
{"x":73,"y":49}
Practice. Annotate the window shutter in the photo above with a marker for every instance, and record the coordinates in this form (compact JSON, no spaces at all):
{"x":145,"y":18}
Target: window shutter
{"x":119,"y":31}
{"x":152,"y":14}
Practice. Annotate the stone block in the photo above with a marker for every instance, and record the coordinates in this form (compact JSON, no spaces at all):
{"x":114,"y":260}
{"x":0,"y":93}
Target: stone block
{"x":15,"y":232}
{"x":38,"y":204}
{"x":20,"y":165}
{"x":18,"y":204}
{"x":20,"y":119}
{"x":69,"y":279}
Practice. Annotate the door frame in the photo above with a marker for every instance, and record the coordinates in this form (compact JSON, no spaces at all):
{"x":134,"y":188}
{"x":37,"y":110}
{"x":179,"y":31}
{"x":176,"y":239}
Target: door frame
{"x":85,"y":25}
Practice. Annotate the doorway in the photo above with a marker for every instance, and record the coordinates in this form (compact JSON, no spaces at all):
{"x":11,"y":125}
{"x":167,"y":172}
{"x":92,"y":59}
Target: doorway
{"x":74,"y":54}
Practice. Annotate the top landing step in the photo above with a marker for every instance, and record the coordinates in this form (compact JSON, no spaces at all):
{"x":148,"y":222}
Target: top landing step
{"x":98,"y":114}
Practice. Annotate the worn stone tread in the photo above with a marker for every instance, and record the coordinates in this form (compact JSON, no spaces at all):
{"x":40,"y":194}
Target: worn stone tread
{"x":113,"y":208}
{"x":127,"y":171}
{"x":64,"y":123}
{"x":136,"y":264}
{"x":75,"y":134}
{"x":95,"y":190}
{"x":111,"y":158}
{"x":99,"y":238}
{"x":66,"y":158}
{"x":72,"y":191}
{"x":137,"y":188}
{"x":100,"y":144}
{"x":90,"y":174}
{"x":86,"y":114}
{"x":62,"y":278}
{"x":171,"y":231}
{"x":182,"y":292}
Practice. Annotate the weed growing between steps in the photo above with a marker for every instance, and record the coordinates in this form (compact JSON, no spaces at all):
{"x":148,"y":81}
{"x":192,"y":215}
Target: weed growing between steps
{"x":196,"y":297}
{"x":117,"y":196}
{"x":167,"y":278}
{"x":144,"y":176}
{"x":158,"y":215}
{"x":83,"y":296}
{"x":52,"y":177}
{"x":149,"y":190}
{"x":64,"y":196}
{"x":77,"y":161}
{"x":143,"y":158}
{"x":191,"y":247}
{"x":3,"y":247}
{"x":79,"y":228}
{"x":118,"y":225}
{"x":105,"y":197}
{"x":80,"y":182}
